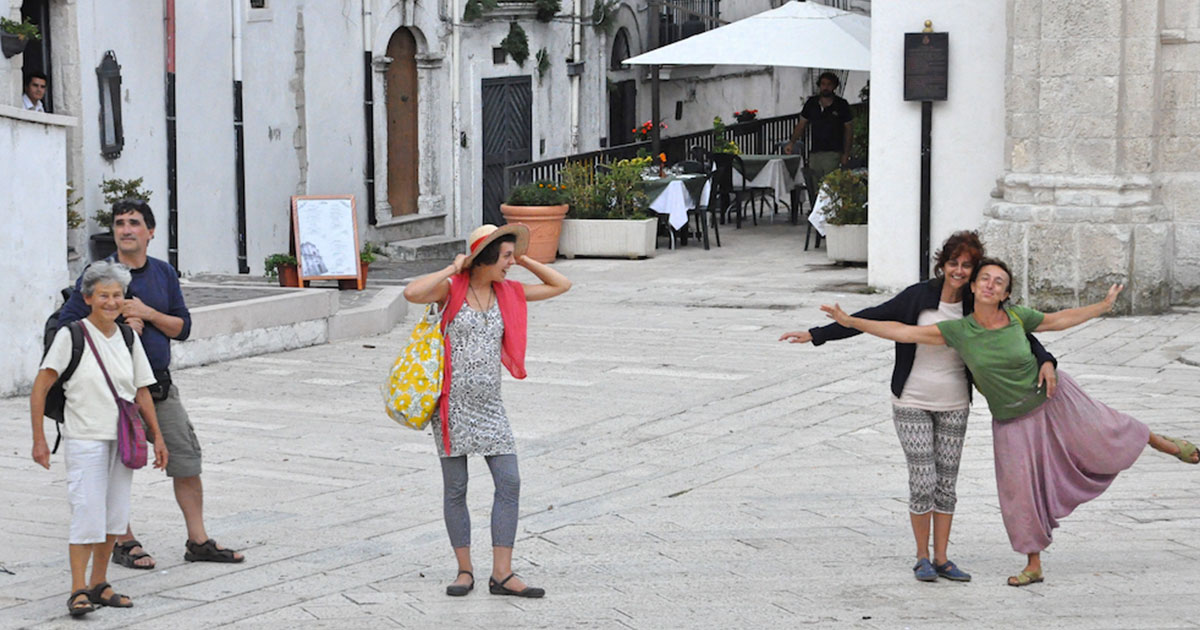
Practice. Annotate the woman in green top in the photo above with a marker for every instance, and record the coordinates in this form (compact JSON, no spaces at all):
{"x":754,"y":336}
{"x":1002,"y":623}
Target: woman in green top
{"x":1055,"y":448}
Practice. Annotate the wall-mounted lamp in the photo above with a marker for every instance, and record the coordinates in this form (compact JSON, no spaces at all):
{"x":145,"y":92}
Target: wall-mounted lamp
{"x":112,"y":136}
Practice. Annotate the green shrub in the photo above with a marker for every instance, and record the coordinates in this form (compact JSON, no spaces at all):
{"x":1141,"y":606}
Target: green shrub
{"x":847,"y":193}
{"x":540,"y":193}
{"x":115,"y":190}
{"x":272,"y":263}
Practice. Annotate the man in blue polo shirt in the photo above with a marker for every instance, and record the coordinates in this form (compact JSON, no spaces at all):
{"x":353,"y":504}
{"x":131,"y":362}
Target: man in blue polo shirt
{"x":154,"y":308}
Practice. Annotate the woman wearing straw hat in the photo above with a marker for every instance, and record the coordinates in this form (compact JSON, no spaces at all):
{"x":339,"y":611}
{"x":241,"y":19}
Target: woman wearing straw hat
{"x":483,"y":323}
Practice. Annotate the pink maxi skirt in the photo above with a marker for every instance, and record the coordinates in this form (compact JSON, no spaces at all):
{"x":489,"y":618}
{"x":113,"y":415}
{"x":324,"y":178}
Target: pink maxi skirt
{"x":1058,"y":457}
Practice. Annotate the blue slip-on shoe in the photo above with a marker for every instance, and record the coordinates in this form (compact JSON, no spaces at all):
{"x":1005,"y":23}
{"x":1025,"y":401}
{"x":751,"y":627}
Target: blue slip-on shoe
{"x":924,"y":571}
{"x":952,"y":572}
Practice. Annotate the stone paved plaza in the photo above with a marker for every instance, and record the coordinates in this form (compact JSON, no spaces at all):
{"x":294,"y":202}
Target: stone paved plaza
{"x":681,"y":469}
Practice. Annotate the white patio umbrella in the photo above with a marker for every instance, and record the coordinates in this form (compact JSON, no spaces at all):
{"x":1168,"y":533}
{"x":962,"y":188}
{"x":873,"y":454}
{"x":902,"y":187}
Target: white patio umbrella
{"x":797,"y":34}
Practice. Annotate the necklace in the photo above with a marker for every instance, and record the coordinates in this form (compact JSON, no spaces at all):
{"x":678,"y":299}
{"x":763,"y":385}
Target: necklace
{"x":486,"y":305}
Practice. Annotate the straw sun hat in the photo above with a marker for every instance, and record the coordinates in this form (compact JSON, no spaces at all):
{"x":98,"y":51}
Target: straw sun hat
{"x":485,"y":234}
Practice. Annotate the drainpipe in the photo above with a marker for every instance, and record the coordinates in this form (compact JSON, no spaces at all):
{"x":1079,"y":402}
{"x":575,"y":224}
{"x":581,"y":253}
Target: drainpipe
{"x":456,"y":131}
{"x":172,"y":189}
{"x":239,"y":137}
{"x":369,"y":111}
{"x":576,"y":56}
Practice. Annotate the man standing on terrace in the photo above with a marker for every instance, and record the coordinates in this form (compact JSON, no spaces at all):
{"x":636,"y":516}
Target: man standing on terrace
{"x":832,"y":131}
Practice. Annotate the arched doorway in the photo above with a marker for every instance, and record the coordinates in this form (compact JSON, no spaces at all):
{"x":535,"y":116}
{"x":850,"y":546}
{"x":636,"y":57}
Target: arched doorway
{"x":622,"y":95}
{"x":403,"y":151}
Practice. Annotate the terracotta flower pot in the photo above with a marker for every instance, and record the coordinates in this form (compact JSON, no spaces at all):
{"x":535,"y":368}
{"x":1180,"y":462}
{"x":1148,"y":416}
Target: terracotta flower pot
{"x":545,"y":226}
{"x":289,"y":276}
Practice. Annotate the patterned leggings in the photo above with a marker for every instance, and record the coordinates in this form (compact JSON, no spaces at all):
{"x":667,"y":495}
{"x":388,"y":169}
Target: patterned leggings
{"x":505,"y":501}
{"x":932,"y":442}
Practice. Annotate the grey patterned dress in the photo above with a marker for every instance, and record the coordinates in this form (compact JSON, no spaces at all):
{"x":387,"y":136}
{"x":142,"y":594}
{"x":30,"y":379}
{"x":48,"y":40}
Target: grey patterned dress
{"x":478,"y":423}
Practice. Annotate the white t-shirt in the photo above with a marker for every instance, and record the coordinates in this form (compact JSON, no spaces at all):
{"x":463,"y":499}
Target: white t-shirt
{"x":938,"y":380}
{"x":37,"y":107}
{"x":91,"y":412}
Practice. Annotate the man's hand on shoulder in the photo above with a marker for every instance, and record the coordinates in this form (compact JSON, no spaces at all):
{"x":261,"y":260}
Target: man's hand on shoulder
{"x":135,"y":308}
{"x":137,"y":324}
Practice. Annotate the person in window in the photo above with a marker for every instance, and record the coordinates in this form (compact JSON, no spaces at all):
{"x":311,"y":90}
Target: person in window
{"x":35,"y":91}
{"x":1055,"y":448}
{"x":832,"y":132}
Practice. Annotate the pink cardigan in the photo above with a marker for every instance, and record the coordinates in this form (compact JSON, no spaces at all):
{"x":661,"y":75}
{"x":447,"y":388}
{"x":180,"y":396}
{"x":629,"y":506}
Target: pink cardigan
{"x":510,"y":295}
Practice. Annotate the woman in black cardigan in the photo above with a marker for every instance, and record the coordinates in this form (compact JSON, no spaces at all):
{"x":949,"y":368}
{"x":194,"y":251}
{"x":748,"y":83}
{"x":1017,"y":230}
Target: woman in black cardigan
{"x":931,"y":394}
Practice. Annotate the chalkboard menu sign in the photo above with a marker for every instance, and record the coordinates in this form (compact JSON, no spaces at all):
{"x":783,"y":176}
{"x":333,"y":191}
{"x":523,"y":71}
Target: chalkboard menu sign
{"x":926,"y":61}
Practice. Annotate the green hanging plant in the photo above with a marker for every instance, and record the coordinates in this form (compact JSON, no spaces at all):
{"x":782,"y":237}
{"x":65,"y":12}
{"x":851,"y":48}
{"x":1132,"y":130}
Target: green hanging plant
{"x":476,"y":8}
{"x":604,"y":16}
{"x":516,"y":44}
{"x":24,"y":29}
{"x":543,"y":63}
{"x":547,"y":9}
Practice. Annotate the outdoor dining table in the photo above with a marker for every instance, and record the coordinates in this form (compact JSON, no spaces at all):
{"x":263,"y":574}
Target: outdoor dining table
{"x":779,"y":173}
{"x":674,"y":195}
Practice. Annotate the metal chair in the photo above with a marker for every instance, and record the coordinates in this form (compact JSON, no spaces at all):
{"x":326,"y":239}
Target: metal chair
{"x":706,"y":215}
{"x":723,"y":187}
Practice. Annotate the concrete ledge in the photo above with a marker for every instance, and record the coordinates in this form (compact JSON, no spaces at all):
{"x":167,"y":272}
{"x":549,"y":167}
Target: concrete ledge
{"x":293,"y":305}
{"x":386,"y":309}
{"x":248,"y":343}
{"x":19,"y":113}
{"x":296,"y":318}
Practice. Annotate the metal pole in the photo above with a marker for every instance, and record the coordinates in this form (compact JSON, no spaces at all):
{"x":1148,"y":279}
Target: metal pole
{"x":655,"y":141}
{"x":926,"y":160}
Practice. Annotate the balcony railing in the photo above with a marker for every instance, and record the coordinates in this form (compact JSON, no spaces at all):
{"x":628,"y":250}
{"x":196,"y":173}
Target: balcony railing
{"x":757,"y":136}
{"x":680,"y":19}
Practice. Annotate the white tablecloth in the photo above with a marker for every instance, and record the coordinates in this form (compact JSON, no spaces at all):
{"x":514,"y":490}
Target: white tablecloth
{"x":675,"y":201}
{"x":817,"y":216}
{"x":774,"y":175}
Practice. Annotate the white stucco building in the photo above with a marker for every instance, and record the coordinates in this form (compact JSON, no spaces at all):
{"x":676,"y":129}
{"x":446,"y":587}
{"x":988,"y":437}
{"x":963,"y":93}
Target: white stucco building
{"x":1069,"y":137}
{"x":404,"y":104}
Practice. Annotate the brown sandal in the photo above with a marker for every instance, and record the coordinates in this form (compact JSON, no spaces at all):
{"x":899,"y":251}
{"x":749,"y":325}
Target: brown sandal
{"x":96,"y":596}
{"x":80,"y":608}
{"x":208,"y":551}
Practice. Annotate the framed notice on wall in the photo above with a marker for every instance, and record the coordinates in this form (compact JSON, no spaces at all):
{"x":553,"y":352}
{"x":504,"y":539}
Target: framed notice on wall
{"x":326,"y":237}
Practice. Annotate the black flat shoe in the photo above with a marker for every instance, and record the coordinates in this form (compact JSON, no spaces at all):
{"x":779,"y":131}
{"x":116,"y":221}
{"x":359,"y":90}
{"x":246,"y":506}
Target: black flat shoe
{"x":458,"y":590}
{"x":498,"y":588}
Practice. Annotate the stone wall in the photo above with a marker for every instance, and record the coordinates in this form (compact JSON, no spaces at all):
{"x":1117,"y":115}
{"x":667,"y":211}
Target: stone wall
{"x":1179,"y":141}
{"x":1082,"y":204}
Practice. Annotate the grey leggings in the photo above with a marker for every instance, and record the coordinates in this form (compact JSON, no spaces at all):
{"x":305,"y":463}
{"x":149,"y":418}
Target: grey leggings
{"x":505,"y":502}
{"x":932,"y":442}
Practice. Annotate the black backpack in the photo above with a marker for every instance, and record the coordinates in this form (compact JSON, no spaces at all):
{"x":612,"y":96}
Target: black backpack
{"x":56,"y":398}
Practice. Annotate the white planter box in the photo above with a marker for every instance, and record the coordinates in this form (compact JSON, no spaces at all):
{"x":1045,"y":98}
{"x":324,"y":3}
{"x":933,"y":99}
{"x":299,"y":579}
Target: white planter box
{"x":607,"y":238}
{"x":846,"y":243}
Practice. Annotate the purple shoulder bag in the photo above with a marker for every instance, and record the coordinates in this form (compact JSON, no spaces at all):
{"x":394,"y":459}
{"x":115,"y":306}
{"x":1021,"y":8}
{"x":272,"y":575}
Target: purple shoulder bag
{"x":131,"y":433}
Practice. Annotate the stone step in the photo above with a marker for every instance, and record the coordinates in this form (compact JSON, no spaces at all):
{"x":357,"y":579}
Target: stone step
{"x":427,"y":248}
{"x":409,"y":227}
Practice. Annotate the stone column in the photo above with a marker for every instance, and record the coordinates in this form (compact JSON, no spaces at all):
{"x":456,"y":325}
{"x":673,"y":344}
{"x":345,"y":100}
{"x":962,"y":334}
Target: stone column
{"x":1079,"y":207}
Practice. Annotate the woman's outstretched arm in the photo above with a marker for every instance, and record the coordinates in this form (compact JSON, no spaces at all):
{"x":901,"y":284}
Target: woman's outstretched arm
{"x":896,"y":331}
{"x":1065,"y":319}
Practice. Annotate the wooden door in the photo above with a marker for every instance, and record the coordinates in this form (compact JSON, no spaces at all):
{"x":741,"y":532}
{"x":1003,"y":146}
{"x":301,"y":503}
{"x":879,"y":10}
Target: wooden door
{"x":403,"y":151}
{"x":507,"y":136}
{"x":622,"y":112}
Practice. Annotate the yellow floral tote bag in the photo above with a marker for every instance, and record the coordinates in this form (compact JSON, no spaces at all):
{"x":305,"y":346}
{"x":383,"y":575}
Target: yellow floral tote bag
{"x":414,"y":383}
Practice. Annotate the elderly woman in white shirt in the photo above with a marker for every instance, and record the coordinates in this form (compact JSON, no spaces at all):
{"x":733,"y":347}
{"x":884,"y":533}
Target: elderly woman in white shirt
{"x":98,"y":484}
